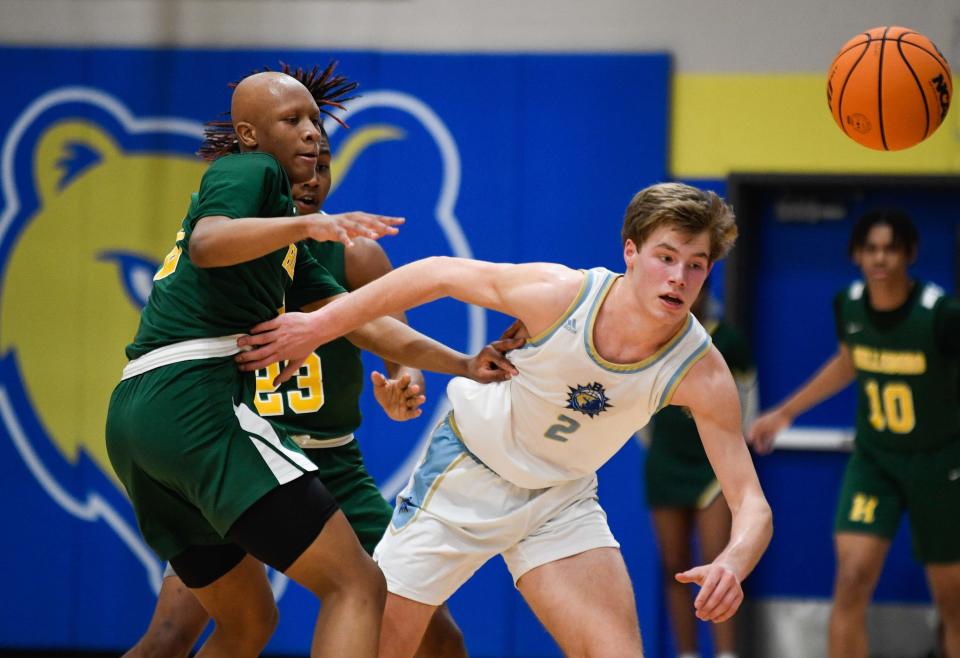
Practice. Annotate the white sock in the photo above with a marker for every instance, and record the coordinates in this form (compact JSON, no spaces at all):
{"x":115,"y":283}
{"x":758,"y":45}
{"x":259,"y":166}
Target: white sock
{"x":727,"y":654}
{"x":690,"y":654}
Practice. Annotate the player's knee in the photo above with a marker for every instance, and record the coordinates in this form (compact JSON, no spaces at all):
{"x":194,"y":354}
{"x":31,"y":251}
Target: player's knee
{"x":854,"y":584}
{"x":359,"y":578}
{"x":374,"y":583}
{"x":251,"y":623}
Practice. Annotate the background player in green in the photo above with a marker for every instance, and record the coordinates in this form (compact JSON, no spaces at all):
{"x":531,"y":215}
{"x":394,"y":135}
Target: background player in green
{"x":899,"y":339}
{"x":683,"y":491}
{"x":326,"y":434}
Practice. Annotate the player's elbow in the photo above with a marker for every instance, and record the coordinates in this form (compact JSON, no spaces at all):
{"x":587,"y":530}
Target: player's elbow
{"x":764,"y":517}
{"x":201,"y":255}
{"x":203,"y":248}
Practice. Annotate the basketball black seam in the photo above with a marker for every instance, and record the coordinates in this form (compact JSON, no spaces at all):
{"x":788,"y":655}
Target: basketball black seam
{"x":843,"y":124}
{"x":935,"y":56}
{"x":923,"y":96}
{"x":846,"y":50}
{"x":883,"y":135}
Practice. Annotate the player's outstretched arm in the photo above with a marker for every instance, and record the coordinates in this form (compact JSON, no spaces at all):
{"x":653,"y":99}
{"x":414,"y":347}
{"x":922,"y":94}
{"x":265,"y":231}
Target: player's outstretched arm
{"x":535,"y":293}
{"x":366,"y":261}
{"x":710,"y":393}
{"x":396,"y":342}
{"x":220,"y":241}
{"x":835,"y":375}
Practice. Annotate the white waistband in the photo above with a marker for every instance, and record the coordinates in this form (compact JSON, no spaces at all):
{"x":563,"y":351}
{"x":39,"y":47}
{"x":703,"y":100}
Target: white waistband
{"x":306,"y":441}
{"x":187,"y":350}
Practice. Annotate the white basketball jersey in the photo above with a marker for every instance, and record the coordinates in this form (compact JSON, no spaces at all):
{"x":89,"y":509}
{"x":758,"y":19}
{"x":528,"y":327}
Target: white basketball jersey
{"x":569,"y":410}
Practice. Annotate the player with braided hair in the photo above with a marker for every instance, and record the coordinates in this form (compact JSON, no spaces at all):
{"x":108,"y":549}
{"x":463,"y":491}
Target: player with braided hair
{"x":179,"y":618}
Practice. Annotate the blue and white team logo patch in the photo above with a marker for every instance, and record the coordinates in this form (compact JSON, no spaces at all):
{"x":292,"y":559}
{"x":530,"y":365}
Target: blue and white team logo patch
{"x":590,"y":399}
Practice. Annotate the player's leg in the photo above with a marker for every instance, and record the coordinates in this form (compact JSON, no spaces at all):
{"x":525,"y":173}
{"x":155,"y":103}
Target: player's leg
{"x":405,"y":622}
{"x":177,"y":622}
{"x":344,"y":474}
{"x":868,"y":513}
{"x":713,"y":530}
{"x":453,"y":515}
{"x":569,"y":569}
{"x":674,"y":526}
{"x":586,"y":603}
{"x":443,"y":638}
{"x":933,"y":498}
{"x":945,"y":585}
{"x":860,"y":560}
{"x":233,"y":589}
{"x":298,"y":530}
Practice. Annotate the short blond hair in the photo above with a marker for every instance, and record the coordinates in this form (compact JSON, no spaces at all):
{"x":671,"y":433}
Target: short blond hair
{"x":689,"y":209}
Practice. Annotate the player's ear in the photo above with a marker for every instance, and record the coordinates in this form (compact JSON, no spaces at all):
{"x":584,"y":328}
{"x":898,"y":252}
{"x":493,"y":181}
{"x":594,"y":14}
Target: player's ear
{"x":629,"y":253}
{"x":247,"y":134}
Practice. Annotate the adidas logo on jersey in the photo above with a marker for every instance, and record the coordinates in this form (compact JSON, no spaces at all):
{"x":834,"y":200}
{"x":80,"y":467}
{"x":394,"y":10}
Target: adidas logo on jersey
{"x":571,"y":325}
{"x":854,"y":327}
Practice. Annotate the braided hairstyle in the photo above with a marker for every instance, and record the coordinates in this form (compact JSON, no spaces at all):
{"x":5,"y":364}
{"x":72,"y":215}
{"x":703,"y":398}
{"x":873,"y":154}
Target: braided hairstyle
{"x":328,"y":89}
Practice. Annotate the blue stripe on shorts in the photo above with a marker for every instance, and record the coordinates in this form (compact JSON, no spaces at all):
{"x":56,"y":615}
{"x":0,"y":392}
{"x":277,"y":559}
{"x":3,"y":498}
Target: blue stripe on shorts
{"x":444,"y":448}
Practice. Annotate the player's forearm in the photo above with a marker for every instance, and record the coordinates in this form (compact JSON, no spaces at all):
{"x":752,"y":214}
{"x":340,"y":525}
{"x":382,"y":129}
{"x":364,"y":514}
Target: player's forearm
{"x":835,"y":375}
{"x":405,"y":287}
{"x":219,"y":241}
{"x":396,"y":370}
{"x":395,"y":342}
{"x":750,"y":533}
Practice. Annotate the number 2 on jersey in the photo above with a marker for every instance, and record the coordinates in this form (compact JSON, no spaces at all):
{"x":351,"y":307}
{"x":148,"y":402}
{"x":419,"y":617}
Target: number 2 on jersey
{"x":567,"y":425}
{"x":305,"y":399}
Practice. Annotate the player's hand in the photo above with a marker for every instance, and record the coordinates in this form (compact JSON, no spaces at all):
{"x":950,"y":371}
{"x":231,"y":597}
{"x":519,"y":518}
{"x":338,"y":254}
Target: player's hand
{"x":720,"y":592}
{"x":399,"y":398}
{"x":343,"y":227}
{"x":288,"y":337}
{"x":517,"y":330}
{"x":765,"y":429}
{"x":490,"y":364}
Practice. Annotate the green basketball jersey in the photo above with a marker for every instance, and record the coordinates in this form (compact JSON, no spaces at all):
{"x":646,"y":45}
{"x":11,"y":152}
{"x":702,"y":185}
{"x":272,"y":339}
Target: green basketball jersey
{"x":323,"y":399}
{"x":673,"y":430}
{"x":908,"y":384}
{"x":189,"y":302}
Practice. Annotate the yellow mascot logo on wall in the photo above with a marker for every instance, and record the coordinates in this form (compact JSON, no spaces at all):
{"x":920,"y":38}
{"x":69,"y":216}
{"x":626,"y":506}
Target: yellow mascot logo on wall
{"x":80,"y":272}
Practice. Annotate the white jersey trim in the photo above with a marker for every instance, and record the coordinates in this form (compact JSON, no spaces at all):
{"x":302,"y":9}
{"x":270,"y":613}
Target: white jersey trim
{"x":187,"y":350}
{"x":682,"y":371}
{"x":931,"y":293}
{"x":585,"y":286}
{"x":308,"y":442}
{"x":627,"y":368}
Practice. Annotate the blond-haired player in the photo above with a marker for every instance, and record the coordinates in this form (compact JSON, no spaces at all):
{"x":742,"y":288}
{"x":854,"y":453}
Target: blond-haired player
{"x":512,"y":470}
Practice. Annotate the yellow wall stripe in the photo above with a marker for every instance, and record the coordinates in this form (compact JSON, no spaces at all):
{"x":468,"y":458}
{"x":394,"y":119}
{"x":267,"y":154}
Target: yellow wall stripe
{"x":781,"y":123}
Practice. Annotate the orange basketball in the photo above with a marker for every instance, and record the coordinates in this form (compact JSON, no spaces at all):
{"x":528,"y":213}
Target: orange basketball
{"x":889,"y":88}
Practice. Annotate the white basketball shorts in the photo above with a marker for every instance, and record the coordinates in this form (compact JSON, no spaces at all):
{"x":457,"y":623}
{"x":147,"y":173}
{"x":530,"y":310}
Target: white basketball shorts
{"x":455,"y":514}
